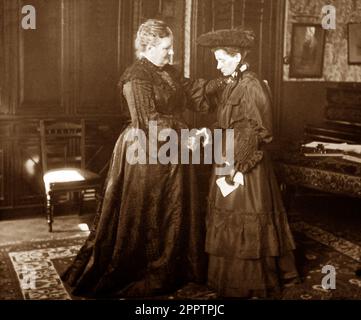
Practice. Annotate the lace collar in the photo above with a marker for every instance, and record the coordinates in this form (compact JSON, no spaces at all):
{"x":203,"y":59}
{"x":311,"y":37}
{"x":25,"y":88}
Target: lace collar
{"x":151,"y":65}
{"x":238,"y":74}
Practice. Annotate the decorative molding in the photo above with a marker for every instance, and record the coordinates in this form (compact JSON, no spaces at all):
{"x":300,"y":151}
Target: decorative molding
{"x":137,"y":14}
{"x":2,"y":53}
{"x":11,"y":22}
{"x":194,"y":35}
{"x":277,"y":90}
{"x":187,"y":37}
{"x":2,"y":172}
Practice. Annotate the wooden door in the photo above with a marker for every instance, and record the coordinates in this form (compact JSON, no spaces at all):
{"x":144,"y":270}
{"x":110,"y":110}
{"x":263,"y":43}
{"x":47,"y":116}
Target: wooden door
{"x":69,"y":64}
{"x":103,"y":48}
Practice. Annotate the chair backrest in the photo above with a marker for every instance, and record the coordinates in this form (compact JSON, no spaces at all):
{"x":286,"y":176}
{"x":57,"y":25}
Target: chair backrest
{"x":62,"y":144}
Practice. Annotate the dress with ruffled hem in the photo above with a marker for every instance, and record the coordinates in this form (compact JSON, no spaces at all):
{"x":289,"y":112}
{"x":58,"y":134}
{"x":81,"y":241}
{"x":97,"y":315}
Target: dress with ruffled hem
{"x":249,"y":241}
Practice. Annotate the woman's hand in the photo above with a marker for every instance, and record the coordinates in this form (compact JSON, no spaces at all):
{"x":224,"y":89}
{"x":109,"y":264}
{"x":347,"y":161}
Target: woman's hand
{"x":207,"y":136}
{"x":194,"y":141}
{"x":235,"y":177}
{"x":230,"y":176}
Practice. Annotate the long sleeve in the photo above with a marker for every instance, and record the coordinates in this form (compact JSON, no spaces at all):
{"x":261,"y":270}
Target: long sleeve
{"x":252,"y":124}
{"x":247,"y":153}
{"x":200,"y":93}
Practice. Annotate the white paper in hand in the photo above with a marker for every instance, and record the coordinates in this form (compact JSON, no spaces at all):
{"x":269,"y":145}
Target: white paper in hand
{"x":226,"y":188}
{"x":239,"y":178}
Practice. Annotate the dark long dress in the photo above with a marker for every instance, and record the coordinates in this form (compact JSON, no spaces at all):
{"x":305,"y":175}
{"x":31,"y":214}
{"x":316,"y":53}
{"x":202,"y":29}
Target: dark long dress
{"x":248,"y":237}
{"x":148,"y":234}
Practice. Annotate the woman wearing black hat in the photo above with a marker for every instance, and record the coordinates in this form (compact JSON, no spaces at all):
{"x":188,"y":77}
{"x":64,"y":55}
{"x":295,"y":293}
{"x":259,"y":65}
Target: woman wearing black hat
{"x":248,"y":239}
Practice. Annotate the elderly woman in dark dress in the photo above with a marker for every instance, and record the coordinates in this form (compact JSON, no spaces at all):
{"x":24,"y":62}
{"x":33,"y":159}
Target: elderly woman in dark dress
{"x":148,"y":235}
{"x":248,"y":239}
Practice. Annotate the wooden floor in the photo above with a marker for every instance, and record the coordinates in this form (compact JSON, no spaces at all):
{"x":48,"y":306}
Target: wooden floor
{"x":339,"y":215}
{"x":67,"y":226}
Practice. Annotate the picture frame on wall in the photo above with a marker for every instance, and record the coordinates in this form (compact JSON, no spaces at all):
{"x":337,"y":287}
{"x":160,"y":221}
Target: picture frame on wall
{"x":354,"y":43}
{"x":307,"y":50}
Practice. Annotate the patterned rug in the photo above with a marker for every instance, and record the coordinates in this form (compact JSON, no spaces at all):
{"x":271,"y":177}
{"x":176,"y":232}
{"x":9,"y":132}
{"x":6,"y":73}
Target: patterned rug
{"x":43,"y":261}
{"x":21,"y":263}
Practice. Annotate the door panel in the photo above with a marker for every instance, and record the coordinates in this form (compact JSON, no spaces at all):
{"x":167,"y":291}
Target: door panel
{"x":41,"y":61}
{"x":97,"y":56}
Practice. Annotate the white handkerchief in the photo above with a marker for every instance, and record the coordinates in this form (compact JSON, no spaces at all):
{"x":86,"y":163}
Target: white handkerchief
{"x":226,"y":188}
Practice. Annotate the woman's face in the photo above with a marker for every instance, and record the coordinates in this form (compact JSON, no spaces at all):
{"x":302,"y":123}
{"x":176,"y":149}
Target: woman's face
{"x":226,"y":63}
{"x":162,"y":53}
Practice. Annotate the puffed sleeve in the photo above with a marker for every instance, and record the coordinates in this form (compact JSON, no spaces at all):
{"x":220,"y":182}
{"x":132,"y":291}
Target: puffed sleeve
{"x":252,"y":124}
{"x":247,"y":153}
{"x":200,"y":93}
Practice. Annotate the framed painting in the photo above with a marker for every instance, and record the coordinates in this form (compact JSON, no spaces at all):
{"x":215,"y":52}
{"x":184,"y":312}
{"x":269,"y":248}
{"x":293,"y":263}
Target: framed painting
{"x":307,"y":51}
{"x":354,"y":43}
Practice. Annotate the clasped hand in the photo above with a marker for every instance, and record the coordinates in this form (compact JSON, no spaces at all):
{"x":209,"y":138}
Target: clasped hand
{"x":194,"y":141}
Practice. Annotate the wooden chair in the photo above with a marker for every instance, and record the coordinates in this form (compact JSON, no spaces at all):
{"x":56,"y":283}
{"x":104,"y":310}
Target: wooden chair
{"x":63,"y":162}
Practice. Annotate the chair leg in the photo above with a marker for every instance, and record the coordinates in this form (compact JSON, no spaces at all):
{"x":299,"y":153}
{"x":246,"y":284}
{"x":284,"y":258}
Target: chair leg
{"x":50,"y":214}
{"x":81,"y":202}
{"x":98,"y":199}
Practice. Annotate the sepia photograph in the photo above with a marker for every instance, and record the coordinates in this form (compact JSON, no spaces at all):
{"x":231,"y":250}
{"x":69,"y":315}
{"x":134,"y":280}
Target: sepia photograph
{"x":176,"y":156}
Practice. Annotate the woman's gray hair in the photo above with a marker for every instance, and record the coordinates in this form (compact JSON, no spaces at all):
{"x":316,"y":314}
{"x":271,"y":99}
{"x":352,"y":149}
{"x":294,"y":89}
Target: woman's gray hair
{"x":150,"y":33}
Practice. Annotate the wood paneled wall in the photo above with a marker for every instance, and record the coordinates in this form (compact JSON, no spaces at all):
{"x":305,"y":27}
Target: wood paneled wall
{"x":71,"y":62}
{"x":68,"y":67}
